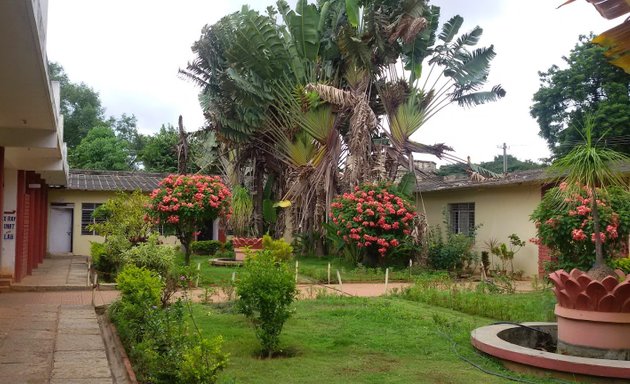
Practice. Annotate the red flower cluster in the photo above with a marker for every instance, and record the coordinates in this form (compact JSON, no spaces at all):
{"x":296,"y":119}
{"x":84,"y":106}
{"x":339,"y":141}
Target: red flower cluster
{"x":189,"y":200}
{"x":372,"y":218}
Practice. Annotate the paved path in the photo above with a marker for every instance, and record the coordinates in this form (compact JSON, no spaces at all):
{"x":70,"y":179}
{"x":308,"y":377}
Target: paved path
{"x":53,"y":337}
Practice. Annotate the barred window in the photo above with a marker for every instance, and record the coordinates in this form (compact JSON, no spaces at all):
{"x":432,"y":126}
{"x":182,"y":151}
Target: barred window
{"x":462,"y":218}
{"x":87,"y":217}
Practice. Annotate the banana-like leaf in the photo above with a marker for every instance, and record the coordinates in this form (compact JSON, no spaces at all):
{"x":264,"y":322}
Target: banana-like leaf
{"x":269,"y":212}
{"x":470,"y":39}
{"x":407,"y":184}
{"x":477,"y":98}
{"x":352,"y":10}
{"x":304,"y":25}
{"x":450,"y":28}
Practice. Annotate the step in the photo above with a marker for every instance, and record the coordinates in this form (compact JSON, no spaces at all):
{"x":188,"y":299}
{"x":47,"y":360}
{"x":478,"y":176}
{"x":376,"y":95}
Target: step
{"x":5,"y":282}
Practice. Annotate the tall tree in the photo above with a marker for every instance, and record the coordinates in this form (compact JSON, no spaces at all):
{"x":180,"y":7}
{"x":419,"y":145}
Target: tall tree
{"x":299,"y":94}
{"x":101,"y":150}
{"x":80,"y":106}
{"x":160,"y":151}
{"x":588,"y":86}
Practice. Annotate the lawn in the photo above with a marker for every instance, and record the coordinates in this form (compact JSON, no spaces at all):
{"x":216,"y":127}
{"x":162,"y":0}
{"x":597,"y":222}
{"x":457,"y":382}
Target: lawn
{"x":356,"y":340}
{"x":311,"y":270}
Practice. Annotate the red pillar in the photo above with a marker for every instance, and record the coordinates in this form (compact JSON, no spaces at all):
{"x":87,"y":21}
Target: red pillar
{"x":44,"y":221}
{"x":22,"y":219}
{"x":1,"y":192}
{"x":31,"y":242}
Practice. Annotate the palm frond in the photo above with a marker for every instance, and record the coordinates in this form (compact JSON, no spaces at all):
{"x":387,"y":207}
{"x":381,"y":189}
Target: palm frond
{"x":450,"y":28}
{"x":478,"y":98}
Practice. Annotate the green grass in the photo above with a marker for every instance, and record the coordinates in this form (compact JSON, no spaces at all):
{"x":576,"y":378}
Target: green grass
{"x":315,"y":269}
{"x":355,"y":340}
{"x":311,"y":270}
{"x":517,"y":307}
{"x":209,"y":274}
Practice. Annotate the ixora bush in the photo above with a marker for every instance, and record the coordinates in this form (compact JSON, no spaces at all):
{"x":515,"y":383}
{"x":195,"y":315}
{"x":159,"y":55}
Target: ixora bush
{"x":158,"y":340}
{"x":565,"y":225}
{"x":266,"y":290}
{"x":184,"y":203}
{"x":376,"y":220}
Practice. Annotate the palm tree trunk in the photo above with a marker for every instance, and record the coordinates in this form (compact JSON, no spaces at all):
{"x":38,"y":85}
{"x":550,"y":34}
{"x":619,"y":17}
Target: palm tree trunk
{"x":599,"y":253}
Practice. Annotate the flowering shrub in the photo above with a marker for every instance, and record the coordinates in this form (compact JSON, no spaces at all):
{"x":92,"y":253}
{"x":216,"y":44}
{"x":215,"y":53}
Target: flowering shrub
{"x":565,"y":225}
{"x":374,"y":218}
{"x":185,"y":202}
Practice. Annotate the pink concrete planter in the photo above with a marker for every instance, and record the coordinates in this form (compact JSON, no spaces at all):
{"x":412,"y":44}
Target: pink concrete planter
{"x":242,"y":244}
{"x":593,"y":316}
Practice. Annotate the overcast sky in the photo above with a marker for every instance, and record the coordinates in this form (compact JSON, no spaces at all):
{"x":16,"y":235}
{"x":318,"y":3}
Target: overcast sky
{"x":130,"y":51}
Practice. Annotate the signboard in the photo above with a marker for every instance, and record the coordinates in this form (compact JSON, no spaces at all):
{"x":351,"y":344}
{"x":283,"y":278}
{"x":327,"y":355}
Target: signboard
{"x":8,"y":225}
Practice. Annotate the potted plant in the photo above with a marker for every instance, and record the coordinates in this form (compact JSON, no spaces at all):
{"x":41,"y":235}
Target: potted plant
{"x":241,"y":220}
{"x":593,"y":308}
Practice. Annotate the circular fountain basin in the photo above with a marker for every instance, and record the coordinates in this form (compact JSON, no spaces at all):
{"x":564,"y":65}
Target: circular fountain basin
{"x":222,"y":262}
{"x":515,"y":347}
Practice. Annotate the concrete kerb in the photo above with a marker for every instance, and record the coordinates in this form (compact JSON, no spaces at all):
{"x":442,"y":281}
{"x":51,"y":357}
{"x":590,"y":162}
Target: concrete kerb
{"x":118,"y":360}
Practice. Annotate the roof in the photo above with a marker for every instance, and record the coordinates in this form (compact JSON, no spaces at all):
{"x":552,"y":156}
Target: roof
{"x":84,"y":180}
{"x":533,"y":176}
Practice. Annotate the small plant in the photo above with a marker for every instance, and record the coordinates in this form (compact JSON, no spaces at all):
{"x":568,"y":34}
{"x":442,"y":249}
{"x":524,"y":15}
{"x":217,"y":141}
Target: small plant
{"x":206,"y":247}
{"x":280,"y":249}
{"x":266,"y":290}
{"x":623,"y":264}
{"x":505,"y":252}
{"x":151,"y":255}
{"x":485,"y":262}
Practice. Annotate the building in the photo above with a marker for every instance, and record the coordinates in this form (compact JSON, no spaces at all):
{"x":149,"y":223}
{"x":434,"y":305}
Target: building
{"x":497,"y":207}
{"x":71,"y":207}
{"x":32,"y":151}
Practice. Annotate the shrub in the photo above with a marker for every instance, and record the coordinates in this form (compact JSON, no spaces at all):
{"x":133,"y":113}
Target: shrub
{"x":184,"y":202}
{"x":453,"y":253}
{"x":160,"y":345}
{"x":280,"y":249}
{"x":123,"y":215}
{"x":565,"y":225}
{"x":151,"y":255}
{"x":109,"y":260}
{"x":622,"y":264}
{"x":376,"y":219}
{"x":206,"y":247}
{"x":266,"y":290}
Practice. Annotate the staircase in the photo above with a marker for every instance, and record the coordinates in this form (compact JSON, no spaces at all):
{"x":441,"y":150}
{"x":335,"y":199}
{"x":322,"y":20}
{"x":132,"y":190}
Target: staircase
{"x":5,"y":283}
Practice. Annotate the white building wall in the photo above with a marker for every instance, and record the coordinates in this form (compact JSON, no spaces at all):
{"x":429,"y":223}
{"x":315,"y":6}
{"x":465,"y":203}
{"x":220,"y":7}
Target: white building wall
{"x":7,"y":258}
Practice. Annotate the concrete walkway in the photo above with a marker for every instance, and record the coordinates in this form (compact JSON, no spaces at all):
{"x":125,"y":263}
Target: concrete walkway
{"x":64,"y":272}
{"x":53,"y":337}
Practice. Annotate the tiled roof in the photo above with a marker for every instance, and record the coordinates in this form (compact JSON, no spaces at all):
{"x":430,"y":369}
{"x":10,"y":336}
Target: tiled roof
{"x":83,"y":180}
{"x":535,"y":176}
{"x":531,"y":176}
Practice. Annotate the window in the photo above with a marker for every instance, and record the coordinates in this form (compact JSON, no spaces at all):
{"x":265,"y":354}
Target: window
{"x":87,"y":217}
{"x":462,"y":218}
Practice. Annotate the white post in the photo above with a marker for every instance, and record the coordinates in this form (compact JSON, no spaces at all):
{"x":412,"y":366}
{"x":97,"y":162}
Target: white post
{"x":88,"y":275}
{"x":328,"y":273}
{"x":386,"y":279}
{"x":297,"y":263}
{"x":410,"y":265}
{"x":233,"y":276}
{"x":198,"y":271}
{"x":340,"y":283}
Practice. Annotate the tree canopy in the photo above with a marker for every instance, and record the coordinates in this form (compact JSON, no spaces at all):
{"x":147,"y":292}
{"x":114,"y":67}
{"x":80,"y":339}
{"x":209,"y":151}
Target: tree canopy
{"x":588,"y":86}
{"x":101,"y":150}
{"x":80,"y":106}
{"x":160,"y":152}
